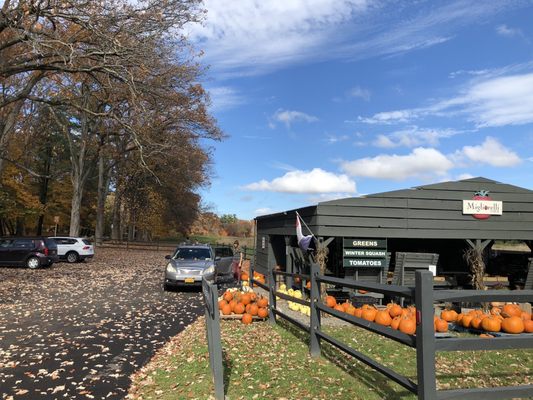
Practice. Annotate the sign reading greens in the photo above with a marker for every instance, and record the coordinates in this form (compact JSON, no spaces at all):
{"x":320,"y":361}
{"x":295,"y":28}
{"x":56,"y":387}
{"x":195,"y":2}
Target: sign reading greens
{"x":364,"y":252}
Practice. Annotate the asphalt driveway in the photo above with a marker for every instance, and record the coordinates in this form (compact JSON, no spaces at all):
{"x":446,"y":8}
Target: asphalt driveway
{"x":78,"y":331}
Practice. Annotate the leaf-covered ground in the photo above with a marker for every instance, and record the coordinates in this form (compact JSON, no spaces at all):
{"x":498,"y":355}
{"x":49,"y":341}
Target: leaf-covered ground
{"x":78,"y":331}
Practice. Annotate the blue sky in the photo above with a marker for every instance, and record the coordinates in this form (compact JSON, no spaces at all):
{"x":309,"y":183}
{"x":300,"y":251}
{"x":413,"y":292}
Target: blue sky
{"x":326,"y":99}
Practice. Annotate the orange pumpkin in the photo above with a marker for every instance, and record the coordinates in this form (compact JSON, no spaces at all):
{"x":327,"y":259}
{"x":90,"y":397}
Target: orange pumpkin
{"x":449,"y":315}
{"x":245,"y":276}
{"x":358,"y":312}
{"x":221,"y":304}
{"x":511,"y":310}
{"x":476,"y":323}
{"x":253,"y":309}
{"x":339,"y":307}
{"x":467,"y":320}
{"x":369,"y":313}
{"x":396,"y":322}
{"x":232,"y":304}
{"x":246,"y":299}
{"x":345,"y":305}
{"x":525,"y":316}
{"x":394,"y":309}
{"x":262,"y":302}
{"x":491,"y":324}
{"x":262,"y":312}
{"x":228,"y":296}
{"x":253,"y":297}
{"x":331,"y":302}
{"x":513,"y":325}
{"x":246,"y":319}
{"x":441,"y":325}
{"x":350,"y":310}
{"x":528,"y":326}
{"x":226,"y":310}
{"x":239,"y":308}
{"x":408,"y":326}
{"x":383,"y":318}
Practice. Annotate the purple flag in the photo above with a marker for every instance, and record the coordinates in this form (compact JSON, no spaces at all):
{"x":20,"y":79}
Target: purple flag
{"x":304,"y":242}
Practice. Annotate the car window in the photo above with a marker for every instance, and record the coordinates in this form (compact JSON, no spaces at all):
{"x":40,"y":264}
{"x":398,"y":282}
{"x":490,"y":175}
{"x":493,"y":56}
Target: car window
{"x":6,"y":242}
{"x":23,"y":244}
{"x":70,"y":241}
{"x":188,"y":253}
{"x":86,"y":241}
{"x":223,"y":252}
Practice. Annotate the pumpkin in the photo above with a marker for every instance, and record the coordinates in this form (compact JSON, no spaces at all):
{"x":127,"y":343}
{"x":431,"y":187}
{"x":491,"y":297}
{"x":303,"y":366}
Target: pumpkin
{"x":486,"y":336}
{"x":513,"y":325}
{"x":369,"y":313}
{"x":511,"y":310}
{"x":345,"y":305}
{"x":245,"y":276}
{"x":476,"y":323}
{"x":339,"y":307}
{"x":441,"y":325}
{"x":358,"y":312}
{"x":394,"y":309}
{"x":408,"y":326}
{"x":246,"y":319}
{"x":262,"y":312}
{"x":226,"y":310}
{"x":525,"y":316}
{"x":350,"y":310}
{"x":253,"y":309}
{"x":262,"y":302}
{"x":491,"y":324}
{"x":383,"y":318}
{"x":396,"y":322}
{"x":246,"y":299}
{"x":239,"y":308}
{"x":253,"y":297}
{"x":221,"y":304}
{"x":467,"y":320}
{"x":232,"y":304}
{"x":331,"y":302}
{"x":528,"y":326}
{"x":449,"y":315}
{"x":228,"y":296}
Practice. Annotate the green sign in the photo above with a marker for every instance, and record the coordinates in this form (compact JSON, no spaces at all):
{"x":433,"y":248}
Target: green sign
{"x":356,"y":243}
{"x":364,"y":253}
{"x":364,"y":263}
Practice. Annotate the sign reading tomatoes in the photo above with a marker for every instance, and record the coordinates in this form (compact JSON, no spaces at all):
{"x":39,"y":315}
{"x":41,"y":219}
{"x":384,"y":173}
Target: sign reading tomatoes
{"x":482,"y":206}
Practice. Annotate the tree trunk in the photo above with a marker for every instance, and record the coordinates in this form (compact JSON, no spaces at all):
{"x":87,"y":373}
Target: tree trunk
{"x":103,"y":185}
{"x":117,"y":206}
{"x":43,"y":188}
{"x":77,"y":195}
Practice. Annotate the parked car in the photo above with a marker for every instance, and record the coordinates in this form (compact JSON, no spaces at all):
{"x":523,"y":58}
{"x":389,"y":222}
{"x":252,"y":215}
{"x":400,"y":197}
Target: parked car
{"x":32,"y":252}
{"x":73,"y":249}
{"x":191,"y":262}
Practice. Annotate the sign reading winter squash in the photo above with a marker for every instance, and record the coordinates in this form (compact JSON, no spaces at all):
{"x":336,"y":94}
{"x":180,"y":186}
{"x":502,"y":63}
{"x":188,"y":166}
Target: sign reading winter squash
{"x":359,"y":252}
{"x":482,"y":206}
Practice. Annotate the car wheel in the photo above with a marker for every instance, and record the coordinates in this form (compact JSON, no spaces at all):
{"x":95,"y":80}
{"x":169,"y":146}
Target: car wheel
{"x":33,"y":263}
{"x":72,"y":257}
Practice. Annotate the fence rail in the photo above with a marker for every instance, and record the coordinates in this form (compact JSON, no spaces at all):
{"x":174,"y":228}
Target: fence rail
{"x":425,"y":342}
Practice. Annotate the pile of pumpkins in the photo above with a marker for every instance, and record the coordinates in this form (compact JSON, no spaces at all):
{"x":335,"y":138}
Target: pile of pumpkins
{"x":306,"y":310}
{"x":245,"y":303}
{"x":245,"y":278}
{"x":508,"y":318}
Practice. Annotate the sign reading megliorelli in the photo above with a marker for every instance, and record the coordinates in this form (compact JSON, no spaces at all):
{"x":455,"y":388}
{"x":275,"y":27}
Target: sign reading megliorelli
{"x":364,"y":253}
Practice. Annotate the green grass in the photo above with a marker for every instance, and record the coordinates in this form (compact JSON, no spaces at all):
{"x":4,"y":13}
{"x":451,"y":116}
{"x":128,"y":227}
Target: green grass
{"x":266,"y":362}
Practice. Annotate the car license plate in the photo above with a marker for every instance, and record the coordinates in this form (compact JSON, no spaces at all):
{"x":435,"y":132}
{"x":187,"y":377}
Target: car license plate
{"x":189,"y":280}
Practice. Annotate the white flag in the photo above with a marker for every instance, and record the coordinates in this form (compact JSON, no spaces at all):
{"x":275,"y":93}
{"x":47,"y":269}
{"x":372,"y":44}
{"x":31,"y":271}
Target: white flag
{"x":303,"y":241}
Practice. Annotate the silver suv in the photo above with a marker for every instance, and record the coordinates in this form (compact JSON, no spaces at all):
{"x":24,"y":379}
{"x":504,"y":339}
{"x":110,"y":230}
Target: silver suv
{"x":188,"y":264}
{"x":73,"y":249}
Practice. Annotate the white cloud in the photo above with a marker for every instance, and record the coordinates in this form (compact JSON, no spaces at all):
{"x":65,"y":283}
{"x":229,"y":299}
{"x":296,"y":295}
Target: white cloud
{"x":256,"y":36}
{"x":492,"y":102}
{"x":288,"y":117}
{"x":332,"y":139}
{"x":264,"y":211}
{"x":224,"y":97}
{"x":491,"y":152}
{"x":314,"y":181}
{"x":413,"y":137}
{"x":421,"y":162}
{"x":465,"y":176}
{"x":359,"y":92}
{"x":504,"y":30}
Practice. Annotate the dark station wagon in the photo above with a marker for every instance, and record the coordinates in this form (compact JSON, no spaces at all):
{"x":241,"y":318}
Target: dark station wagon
{"x":32,"y":252}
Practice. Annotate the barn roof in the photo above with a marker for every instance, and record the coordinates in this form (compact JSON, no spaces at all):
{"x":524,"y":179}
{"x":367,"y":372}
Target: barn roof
{"x":430,"y":211}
